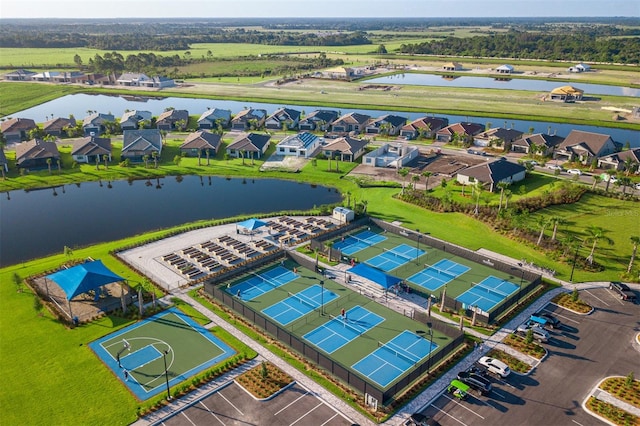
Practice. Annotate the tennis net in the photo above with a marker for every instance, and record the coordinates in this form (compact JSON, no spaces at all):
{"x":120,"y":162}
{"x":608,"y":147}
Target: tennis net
{"x":399,"y":353}
{"x":360,"y":240}
{"x":443,"y":273}
{"x":345,"y":323}
{"x":398,"y":255}
{"x":267,"y":280}
{"x":304,"y":300}
{"x":491,"y":291}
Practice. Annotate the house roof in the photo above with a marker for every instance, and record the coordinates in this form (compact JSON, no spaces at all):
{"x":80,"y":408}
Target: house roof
{"x":21,"y":73}
{"x":136,"y":116}
{"x":17,"y":125}
{"x":493,"y":172}
{"x":92,"y":145}
{"x":452,"y":65}
{"x":326,"y":115}
{"x":346,"y":145}
{"x":212,"y":115}
{"x":580,"y":140}
{"x":506,"y":135}
{"x":353,"y":118}
{"x":301,"y":140}
{"x":432,"y":123}
{"x":252,"y":142}
{"x":173,"y":115}
{"x":36,"y":149}
{"x":58,"y":123}
{"x":470,"y":129}
{"x":505,"y":67}
{"x":394,"y":120}
{"x":142,"y":140}
{"x":250,"y":114}
{"x":283,"y":114}
{"x":539,"y":139}
{"x":620,"y":157}
{"x":201,"y":140}
{"x":566,"y":90}
{"x":97,"y":118}
{"x":131,"y":76}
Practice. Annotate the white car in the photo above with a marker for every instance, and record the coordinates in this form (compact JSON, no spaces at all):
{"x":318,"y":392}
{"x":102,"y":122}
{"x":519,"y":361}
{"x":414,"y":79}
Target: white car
{"x":574,"y":172}
{"x":494,"y":366}
{"x":638,"y":186}
{"x":554,"y":167}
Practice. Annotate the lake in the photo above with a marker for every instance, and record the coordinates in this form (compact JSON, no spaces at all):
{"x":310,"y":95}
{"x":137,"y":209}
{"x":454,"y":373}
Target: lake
{"x":502,"y":83}
{"x":79,"y":104}
{"x":41,"y":222}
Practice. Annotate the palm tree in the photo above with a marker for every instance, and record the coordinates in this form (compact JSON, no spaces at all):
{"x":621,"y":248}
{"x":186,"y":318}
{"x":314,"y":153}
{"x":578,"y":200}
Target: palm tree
{"x":49,"y":164}
{"x":596,"y":180}
{"x":415,"y":179}
{"x":556,"y":221}
{"x":105,"y":158}
{"x":426,"y":175}
{"x":208,"y":154}
{"x":507,"y":196}
{"x":502,"y":186}
{"x":477,"y":188}
{"x":242,"y":155}
{"x":624,"y":182}
{"x":542,"y":222}
{"x":596,"y":234}
{"x":403,"y":172}
{"x":145,"y":158}
{"x":154,"y":155}
{"x":635,"y":240}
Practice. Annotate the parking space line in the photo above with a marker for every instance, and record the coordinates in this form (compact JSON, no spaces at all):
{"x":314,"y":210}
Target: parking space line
{"x":442,"y":411}
{"x":587,"y":291}
{"x":615,"y":297}
{"x":231,"y":403}
{"x":306,"y":414}
{"x":210,"y":411}
{"x":466,"y":408}
{"x":329,"y":419}
{"x":502,"y":382}
{"x":291,"y":403}
{"x":564,"y":317}
{"x":577,"y":422}
{"x":187,"y":417}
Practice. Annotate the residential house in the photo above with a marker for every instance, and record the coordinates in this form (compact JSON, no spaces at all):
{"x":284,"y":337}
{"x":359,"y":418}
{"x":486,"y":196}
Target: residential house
{"x":20,"y":75}
{"x":619,"y":161}
{"x":94,"y":124}
{"x":566,"y":94}
{"x":45,"y":76}
{"x":132,"y":79}
{"x":544,"y":144}
{"x":4,"y":163}
{"x":580,"y":68}
{"x":490,"y":174}
{"x":36,"y":153}
{"x":158,"y":82}
{"x":173,"y":119}
{"x":505,"y":69}
{"x":346,"y":148}
{"x":249,"y":145}
{"x":391,"y":155}
{"x":351,"y":122}
{"x":91,"y":149}
{"x":585,"y":147}
{"x":283,"y":115}
{"x":201,"y":144}
{"x":388,"y":123}
{"x":423,"y":126}
{"x":249,"y":119}
{"x":320,"y":119}
{"x":137,"y":144}
{"x":303,"y":144}
{"x":464,"y":131}
{"x":58,"y":126}
{"x":497,"y":136}
{"x":452,"y":66}
{"x":17,"y":129}
{"x":133,"y":120}
{"x":70,"y":77}
{"x":211,"y":118}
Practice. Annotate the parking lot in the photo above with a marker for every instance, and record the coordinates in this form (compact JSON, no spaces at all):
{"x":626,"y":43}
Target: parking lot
{"x":232,"y":405}
{"x":585,"y":350}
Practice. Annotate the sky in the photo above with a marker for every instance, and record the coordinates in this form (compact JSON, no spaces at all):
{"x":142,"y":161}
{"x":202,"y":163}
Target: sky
{"x":314,"y":8}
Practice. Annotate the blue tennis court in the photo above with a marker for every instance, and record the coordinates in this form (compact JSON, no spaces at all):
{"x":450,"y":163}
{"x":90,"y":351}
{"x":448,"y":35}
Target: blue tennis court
{"x":339,"y":331}
{"x":354,"y":243}
{"x":260,"y":284}
{"x":299,"y":304}
{"x":397,"y":256}
{"x":435,"y":276}
{"x":392,"y":359}
{"x":488,"y":293}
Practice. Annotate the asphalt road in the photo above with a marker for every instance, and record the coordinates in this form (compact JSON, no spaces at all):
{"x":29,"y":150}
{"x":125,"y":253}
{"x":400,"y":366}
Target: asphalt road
{"x":586,"y":350}
{"x":233,"y":406}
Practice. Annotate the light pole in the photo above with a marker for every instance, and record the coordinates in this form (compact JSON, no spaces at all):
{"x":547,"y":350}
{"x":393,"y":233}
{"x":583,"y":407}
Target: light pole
{"x":322,"y":298}
{"x":430,"y":333}
{"x":575,"y":259}
{"x":521,"y":280}
{"x":418,"y":245}
{"x":166,"y":373}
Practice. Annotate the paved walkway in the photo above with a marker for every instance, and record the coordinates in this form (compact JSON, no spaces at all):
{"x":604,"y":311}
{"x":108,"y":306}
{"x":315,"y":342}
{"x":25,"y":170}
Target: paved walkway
{"x":405,"y":303}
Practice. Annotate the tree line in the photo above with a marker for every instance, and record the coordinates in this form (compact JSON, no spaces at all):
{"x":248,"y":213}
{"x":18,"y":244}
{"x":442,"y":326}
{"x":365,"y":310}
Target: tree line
{"x":528,"y":45}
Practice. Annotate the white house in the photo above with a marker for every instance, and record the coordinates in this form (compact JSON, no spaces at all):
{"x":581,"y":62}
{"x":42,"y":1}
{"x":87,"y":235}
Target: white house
{"x":388,"y":155}
{"x":303,"y":144}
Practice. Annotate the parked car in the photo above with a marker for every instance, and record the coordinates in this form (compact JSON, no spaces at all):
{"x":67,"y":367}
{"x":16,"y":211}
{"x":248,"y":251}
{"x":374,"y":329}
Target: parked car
{"x":606,"y":177}
{"x":458,"y":389}
{"x":477,"y":382}
{"x":574,"y":172}
{"x":494,"y":366}
{"x":552,"y":322}
{"x":622,"y":290}
{"x":532,"y":162}
{"x":554,"y":167}
{"x":539,"y":333}
{"x":638,"y":186}
{"x":419,"y":419}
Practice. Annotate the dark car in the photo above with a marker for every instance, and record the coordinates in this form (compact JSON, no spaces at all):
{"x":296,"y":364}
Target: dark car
{"x":622,"y":290}
{"x":552,"y":321}
{"x":419,"y":419}
{"x":475,"y":381}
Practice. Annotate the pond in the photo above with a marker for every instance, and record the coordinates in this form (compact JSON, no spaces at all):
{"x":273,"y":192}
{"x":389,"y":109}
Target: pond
{"x":41,"y":222}
{"x":79,"y":104}
{"x":502,"y":83}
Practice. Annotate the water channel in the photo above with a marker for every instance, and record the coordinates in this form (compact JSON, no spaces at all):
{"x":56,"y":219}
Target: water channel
{"x":41,"y":222}
{"x":79,"y":104}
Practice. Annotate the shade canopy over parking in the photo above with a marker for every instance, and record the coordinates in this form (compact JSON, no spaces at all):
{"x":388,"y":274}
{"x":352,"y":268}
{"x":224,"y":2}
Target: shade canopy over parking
{"x":83,"y":278}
